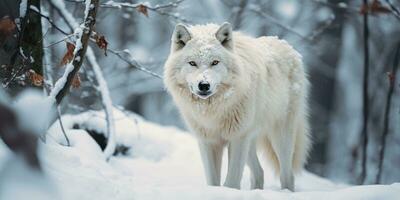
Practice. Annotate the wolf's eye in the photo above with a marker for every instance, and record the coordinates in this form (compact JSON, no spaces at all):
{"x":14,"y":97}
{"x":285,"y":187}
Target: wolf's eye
{"x":192,"y":63}
{"x":215,"y":62}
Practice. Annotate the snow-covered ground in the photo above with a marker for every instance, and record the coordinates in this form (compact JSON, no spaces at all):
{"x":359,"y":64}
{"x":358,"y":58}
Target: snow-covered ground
{"x":163,"y":163}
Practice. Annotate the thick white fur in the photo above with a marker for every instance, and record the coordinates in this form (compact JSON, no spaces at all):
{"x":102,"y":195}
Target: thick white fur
{"x":260,"y":100}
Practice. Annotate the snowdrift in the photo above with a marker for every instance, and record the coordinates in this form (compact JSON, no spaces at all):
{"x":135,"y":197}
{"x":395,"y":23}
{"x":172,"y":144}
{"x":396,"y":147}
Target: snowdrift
{"x":159,"y":163}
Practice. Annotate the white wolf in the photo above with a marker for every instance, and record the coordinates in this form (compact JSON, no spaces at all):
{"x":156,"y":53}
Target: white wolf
{"x":242,"y":92}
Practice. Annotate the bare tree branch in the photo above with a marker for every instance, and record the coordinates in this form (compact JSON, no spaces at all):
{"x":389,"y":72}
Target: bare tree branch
{"x":341,"y":6}
{"x":59,"y":6}
{"x":257,"y":10}
{"x":62,"y":126}
{"x":67,"y":17}
{"x":49,"y":20}
{"x":364,"y":130}
{"x":132,"y":62}
{"x":392,"y":81}
{"x":395,"y":11}
{"x":159,"y":8}
{"x":238,"y":11}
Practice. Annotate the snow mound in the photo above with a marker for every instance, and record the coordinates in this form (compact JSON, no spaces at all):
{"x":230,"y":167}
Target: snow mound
{"x":162,"y":163}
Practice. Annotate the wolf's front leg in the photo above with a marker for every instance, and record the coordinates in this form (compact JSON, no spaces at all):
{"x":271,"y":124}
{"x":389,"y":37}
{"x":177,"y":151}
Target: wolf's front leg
{"x":237,"y":156}
{"x":211,"y":154}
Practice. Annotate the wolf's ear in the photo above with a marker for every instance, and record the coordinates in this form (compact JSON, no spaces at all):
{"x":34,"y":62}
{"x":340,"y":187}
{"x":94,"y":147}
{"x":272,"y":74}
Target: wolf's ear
{"x":224,"y":35}
{"x":180,"y":37}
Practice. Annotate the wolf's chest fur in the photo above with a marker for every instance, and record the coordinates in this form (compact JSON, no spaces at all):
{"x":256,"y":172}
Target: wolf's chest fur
{"x":220,"y":121}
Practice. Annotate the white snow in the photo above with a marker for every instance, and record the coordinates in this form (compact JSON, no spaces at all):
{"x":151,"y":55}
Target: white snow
{"x":22,"y":8}
{"x":163,"y":163}
{"x":33,"y":102}
{"x":342,"y":4}
{"x":88,"y":6}
{"x":287,"y":9}
{"x":19,"y":182}
{"x":32,"y":7}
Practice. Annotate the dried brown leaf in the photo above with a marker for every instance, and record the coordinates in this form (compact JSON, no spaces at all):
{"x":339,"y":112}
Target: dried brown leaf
{"x":143,"y":9}
{"x":35,"y":78}
{"x":364,"y":9}
{"x":102,"y":43}
{"x":391,"y":77}
{"x":375,"y":7}
{"x":69,"y":55}
{"x":7,"y":26}
{"x":76,"y":82}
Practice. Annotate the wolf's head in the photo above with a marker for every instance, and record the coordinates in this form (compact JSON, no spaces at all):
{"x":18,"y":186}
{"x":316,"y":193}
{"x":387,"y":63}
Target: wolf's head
{"x":202,"y":60}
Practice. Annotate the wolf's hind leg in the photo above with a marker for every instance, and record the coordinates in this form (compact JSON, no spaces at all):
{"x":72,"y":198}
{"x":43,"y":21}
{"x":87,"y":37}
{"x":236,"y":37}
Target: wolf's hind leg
{"x":283,"y":146}
{"x":257,"y":173}
{"x":238,"y":151}
{"x":211,"y":154}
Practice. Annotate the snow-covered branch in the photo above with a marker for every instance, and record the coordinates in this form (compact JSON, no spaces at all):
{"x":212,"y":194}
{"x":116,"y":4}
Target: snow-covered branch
{"x":103,"y":89}
{"x":70,"y":21}
{"x":84,"y":31}
{"x":132,"y":62}
{"x":143,"y":7}
{"x":106,"y":102}
{"x":113,"y":4}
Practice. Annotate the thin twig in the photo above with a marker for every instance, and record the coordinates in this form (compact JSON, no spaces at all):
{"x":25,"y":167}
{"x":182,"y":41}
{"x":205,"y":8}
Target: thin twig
{"x":393,"y":9}
{"x":59,"y":41}
{"x":25,"y":61}
{"x":159,"y":8}
{"x":238,"y":17}
{"x":133,"y":63}
{"x":49,"y":20}
{"x":317,"y":32}
{"x":62,"y":126}
{"x":364,"y":131}
{"x":65,"y":15}
{"x":257,"y":10}
{"x":385,"y":132}
{"x":340,"y":6}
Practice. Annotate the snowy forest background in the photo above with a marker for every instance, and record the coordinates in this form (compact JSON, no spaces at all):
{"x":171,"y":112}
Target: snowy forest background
{"x":330,"y":34}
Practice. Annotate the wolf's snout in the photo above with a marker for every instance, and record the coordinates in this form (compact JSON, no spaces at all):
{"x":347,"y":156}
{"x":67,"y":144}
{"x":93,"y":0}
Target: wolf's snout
{"x":204,"y":86}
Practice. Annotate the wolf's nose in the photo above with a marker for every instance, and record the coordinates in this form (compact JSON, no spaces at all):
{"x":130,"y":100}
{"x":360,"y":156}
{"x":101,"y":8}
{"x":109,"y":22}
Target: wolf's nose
{"x":204,"y":86}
